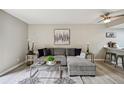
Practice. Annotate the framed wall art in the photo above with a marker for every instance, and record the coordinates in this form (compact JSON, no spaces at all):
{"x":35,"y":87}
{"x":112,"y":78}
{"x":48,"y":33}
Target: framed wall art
{"x":111,"y":35}
{"x":62,"y":36}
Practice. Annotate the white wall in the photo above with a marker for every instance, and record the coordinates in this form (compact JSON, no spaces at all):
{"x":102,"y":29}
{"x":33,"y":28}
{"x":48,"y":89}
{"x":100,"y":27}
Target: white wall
{"x":81,"y":35}
{"x":13,"y":40}
{"x":43,"y":36}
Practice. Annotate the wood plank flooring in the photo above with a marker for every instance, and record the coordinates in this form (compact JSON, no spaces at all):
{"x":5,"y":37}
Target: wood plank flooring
{"x":105,"y":74}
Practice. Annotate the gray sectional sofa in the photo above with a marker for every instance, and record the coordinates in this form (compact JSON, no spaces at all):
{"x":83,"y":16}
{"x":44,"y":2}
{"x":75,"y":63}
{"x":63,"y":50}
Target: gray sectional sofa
{"x":68,"y":57}
{"x":60,"y":53}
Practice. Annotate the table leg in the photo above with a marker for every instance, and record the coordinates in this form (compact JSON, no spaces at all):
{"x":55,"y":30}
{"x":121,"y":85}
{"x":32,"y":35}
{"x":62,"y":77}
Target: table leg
{"x":123,"y":62}
{"x":61,"y":72}
{"x":30,"y":75}
{"x":93,"y":58}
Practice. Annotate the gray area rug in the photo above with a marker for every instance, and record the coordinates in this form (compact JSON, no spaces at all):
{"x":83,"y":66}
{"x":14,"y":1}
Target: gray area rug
{"x":37,"y":80}
{"x":64,"y":81}
{"x":47,"y":71}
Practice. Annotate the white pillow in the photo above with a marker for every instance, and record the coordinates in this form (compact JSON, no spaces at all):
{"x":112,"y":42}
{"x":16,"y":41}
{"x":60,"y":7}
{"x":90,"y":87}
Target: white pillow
{"x":82,"y":55}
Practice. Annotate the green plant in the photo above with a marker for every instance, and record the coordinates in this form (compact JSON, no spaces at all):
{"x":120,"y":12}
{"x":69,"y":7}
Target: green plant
{"x":50,"y":58}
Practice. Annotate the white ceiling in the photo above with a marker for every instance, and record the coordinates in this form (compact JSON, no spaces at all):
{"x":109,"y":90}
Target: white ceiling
{"x":118,"y":26}
{"x":59,"y":16}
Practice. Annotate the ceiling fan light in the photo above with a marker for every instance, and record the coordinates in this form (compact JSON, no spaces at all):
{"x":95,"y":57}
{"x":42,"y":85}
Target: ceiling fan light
{"x":107,"y":21}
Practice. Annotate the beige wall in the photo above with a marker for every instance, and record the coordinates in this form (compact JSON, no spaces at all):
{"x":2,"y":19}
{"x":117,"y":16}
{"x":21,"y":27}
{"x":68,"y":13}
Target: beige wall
{"x":120,"y":35}
{"x":13,"y":41}
{"x":81,"y":35}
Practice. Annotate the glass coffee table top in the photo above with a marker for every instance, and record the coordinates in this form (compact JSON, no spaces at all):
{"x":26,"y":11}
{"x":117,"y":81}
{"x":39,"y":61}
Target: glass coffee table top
{"x":38,"y":69}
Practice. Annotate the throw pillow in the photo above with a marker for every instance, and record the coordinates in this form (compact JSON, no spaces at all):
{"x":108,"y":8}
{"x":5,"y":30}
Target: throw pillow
{"x":40,"y":52}
{"x":77,"y":51}
{"x":48,"y":51}
{"x":70,"y":52}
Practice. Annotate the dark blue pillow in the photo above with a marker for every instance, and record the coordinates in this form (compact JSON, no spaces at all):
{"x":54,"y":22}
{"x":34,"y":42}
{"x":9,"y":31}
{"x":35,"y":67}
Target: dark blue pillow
{"x":48,"y":51}
{"x":77,"y":51}
{"x":41,"y":52}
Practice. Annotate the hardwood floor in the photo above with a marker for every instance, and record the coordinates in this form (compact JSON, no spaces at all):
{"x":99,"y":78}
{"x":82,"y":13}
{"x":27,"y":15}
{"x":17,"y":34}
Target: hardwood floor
{"x":105,"y":74}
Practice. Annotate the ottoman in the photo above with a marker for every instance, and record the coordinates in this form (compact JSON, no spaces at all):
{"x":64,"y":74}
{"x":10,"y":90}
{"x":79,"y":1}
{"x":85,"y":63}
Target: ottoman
{"x":80,"y":66}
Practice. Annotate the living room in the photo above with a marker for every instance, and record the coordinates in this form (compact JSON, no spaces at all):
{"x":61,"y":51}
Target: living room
{"x":61,"y":46}
{"x":29,"y":30}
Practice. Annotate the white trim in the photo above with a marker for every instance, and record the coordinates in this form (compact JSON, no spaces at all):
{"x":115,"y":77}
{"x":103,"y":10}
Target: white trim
{"x":10,"y":69}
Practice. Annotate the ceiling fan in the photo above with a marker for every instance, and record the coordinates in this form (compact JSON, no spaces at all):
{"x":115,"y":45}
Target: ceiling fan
{"x":106,"y":18}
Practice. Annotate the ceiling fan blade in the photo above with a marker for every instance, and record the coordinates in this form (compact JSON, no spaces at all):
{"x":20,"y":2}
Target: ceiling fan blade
{"x":107,"y":14}
{"x":117,"y":16}
{"x":104,"y":16}
{"x":100,"y":21}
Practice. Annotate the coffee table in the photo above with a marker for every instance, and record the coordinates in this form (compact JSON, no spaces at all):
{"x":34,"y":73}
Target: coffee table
{"x":39,"y":67}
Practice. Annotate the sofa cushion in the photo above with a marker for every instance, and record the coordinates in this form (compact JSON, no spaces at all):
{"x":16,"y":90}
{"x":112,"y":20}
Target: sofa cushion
{"x":79,"y":61}
{"x":48,"y":51}
{"x":52,"y":51}
{"x":40,"y":52}
{"x":59,"y":51}
{"x":70,"y":52}
{"x":77,"y":51}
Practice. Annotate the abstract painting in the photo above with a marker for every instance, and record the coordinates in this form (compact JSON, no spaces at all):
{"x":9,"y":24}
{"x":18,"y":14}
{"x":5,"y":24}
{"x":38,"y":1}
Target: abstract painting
{"x":62,"y":36}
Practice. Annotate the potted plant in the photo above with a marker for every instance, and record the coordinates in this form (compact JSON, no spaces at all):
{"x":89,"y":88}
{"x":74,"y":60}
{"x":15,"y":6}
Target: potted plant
{"x":50,"y":60}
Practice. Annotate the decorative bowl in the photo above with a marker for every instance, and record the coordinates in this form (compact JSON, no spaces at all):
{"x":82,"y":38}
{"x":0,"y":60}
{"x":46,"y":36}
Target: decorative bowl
{"x":50,"y":63}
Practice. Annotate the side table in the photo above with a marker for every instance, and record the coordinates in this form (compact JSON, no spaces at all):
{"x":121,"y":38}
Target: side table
{"x":91,"y":56}
{"x":30,"y":58}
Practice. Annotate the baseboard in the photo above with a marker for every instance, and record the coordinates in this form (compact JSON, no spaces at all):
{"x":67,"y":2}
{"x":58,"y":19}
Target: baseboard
{"x":12,"y":68}
{"x":101,"y":60}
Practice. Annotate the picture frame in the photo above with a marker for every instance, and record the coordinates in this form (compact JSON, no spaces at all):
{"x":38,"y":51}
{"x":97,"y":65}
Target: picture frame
{"x":111,"y":35}
{"x":62,"y":36}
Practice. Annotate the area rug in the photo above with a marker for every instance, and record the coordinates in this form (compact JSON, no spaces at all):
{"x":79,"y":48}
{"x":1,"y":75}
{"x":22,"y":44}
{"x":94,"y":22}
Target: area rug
{"x":48,"y":72}
{"x":37,"y":80}
{"x":64,"y":81}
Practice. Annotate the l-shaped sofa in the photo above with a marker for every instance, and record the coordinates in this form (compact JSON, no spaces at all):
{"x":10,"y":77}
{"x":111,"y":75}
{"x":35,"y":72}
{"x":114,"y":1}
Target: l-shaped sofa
{"x":70,"y":57}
